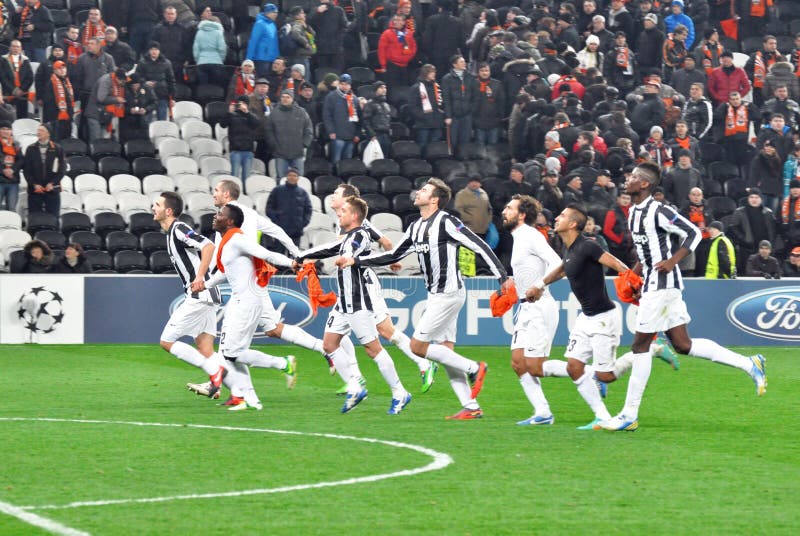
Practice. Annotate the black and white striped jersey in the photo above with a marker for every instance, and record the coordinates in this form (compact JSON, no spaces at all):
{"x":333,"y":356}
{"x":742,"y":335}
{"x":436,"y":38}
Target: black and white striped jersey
{"x":435,"y":241}
{"x":374,"y":233}
{"x":184,"y":245}
{"x":353,"y":295}
{"x":652,"y":224}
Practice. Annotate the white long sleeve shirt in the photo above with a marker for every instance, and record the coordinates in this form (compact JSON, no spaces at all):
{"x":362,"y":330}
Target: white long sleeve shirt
{"x":531,"y":258}
{"x":237,"y":259}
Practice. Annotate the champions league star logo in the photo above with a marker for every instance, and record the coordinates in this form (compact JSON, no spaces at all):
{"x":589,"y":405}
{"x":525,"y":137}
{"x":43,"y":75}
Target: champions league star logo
{"x":41,"y":310}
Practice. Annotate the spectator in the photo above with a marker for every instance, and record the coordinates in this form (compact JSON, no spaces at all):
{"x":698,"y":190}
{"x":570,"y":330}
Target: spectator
{"x":155,"y":71}
{"x":650,"y":44}
{"x":566,"y":32}
{"x":766,"y":173}
{"x":261,"y":107}
{"x":123,"y":54}
{"x":683,"y":79}
{"x":674,"y":52}
{"x":7,"y":112}
{"x":71,"y":44}
{"x":12,"y":163}
{"x":549,"y":194}
{"x":241,"y":125}
{"x":620,"y":65}
{"x":781,"y":73}
{"x":279,"y":78}
{"x":698,"y":113}
{"x":341,"y":114}
{"x":38,"y":258}
{"x":184,"y":14}
{"x":727,"y":79}
{"x":106,"y":105}
{"x":93,"y":64}
{"x":695,"y":210}
{"x":472,"y":202}
{"x":573,"y":191}
{"x":658,"y":151}
{"x":242,"y":82}
{"x":36,"y":26}
{"x":763,"y":264}
{"x":289,"y":206}
{"x":591,"y":56}
{"x":459,"y":95}
{"x":296,"y":78}
{"x":721,"y":255}
{"x":330,"y":24}
{"x":490,"y":107}
{"x":94,"y":27}
{"x":791,"y":169}
{"x":209,"y":50}
{"x":606,"y":37}
{"x":604,"y":193}
{"x":552,"y":143}
{"x":649,"y":112}
{"x":378,"y":118}
{"x":141,"y":21}
{"x":16,"y":78}
{"x":305,"y":38}
{"x":751,"y":224}
{"x":683,"y":140}
{"x":289,"y":133}
{"x":592,"y":232}
{"x":708,"y":52}
{"x":679,"y":17}
{"x":782,"y":104}
{"x":444,"y":35}
{"x":140,"y":105}
{"x":759,"y":64}
{"x":620,"y":20}
{"x":584,"y":166}
{"x":777,"y":133}
{"x":733,"y":119}
{"x":791,"y":266}
{"x":58,"y":100}
{"x":306,"y":100}
{"x":682,"y":179}
{"x":396,"y":49}
{"x":73,"y":261}
{"x":790,"y":216}
{"x":516,"y":184}
{"x":174,"y":36}
{"x":262,"y":47}
{"x":44,"y":165}
{"x":616,"y":232}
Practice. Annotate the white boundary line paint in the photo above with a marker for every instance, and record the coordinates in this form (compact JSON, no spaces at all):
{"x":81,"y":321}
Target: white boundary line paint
{"x":440,"y":461}
{"x":39,"y":521}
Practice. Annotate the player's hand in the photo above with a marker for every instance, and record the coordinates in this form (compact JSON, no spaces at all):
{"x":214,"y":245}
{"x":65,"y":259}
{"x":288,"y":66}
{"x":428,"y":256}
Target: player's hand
{"x":533,"y":294}
{"x":396,"y":267}
{"x":295,"y":266}
{"x":665,"y":266}
{"x":198,"y":286}
{"x":344,"y":262}
{"x":507,"y":284}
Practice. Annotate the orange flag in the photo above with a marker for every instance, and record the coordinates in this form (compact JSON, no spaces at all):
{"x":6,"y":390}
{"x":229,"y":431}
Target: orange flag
{"x":309,"y":270}
{"x":500,"y":304}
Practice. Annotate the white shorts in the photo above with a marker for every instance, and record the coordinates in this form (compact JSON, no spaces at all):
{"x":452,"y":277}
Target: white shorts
{"x":661,"y":310}
{"x":270,"y":318}
{"x":596,"y":338}
{"x":361,"y":323}
{"x":379,"y":309}
{"x":438,"y":322}
{"x":191,"y":318}
{"x":535,"y":326}
{"x":239,"y":325}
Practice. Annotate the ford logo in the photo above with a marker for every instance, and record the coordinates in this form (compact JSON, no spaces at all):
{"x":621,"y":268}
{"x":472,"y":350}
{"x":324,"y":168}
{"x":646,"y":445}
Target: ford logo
{"x":292,"y":306}
{"x":773,"y":313}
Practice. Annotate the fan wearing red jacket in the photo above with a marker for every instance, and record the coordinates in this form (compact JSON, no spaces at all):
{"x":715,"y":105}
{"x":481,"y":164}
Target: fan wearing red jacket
{"x":396,"y":48}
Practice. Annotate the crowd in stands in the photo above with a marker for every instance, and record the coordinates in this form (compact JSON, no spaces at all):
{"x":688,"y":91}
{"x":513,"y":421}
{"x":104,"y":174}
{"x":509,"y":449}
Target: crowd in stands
{"x":558,"y":99}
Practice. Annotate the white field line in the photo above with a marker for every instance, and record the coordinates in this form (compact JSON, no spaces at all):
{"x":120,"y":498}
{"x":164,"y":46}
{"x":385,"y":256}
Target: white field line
{"x":440,"y":461}
{"x":38,"y":521}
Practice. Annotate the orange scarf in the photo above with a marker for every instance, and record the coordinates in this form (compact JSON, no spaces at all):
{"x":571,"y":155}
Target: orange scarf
{"x":736,"y":120}
{"x":23,"y":19}
{"x":15,"y":67}
{"x":244,"y":84}
{"x":758,"y":8}
{"x":785,"y":210}
{"x":62,"y":89}
{"x":90,"y":31}
{"x":315,"y":294}
{"x":263,"y":270}
{"x":74,"y":51}
{"x":118,"y":90}
{"x":683,"y":142}
{"x":796,"y":62}
{"x":708,"y":64}
{"x":351,"y":110}
{"x":760,"y":69}
{"x":486,"y":89}
{"x":623,"y":57}
{"x":9,"y":152}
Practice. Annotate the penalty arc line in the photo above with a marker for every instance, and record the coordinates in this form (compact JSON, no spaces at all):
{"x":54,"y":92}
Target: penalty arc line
{"x":440,"y":461}
{"x":38,"y":521}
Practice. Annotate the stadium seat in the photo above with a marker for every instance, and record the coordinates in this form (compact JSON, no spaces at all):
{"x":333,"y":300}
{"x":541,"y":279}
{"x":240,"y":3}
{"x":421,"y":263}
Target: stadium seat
{"x":403,"y":150}
{"x":169,"y":147}
{"x":99,"y":260}
{"x":136,"y":148}
{"x":127,"y":261}
{"x":10,"y":220}
{"x":713,"y":188}
{"x":69,"y":202}
{"x":142,"y":222}
{"x":247,"y":201}
{"x":12,"y":240}
{"x":181,"y":165}
{"x":74,"y":147}
{"x":188,"y":220}
{"x":361,"y":76}
{"x":121,"y":241}
{"x":132,"y":203}
{"x":107,"y":222}
{"x":383,"y":168}
{"x":104,"y":147}
{"x":186,"y":184}
{"x":61,"y":18}
{"x":416,"y":167}
{"x":41,"y":221}
{"x":350,"y":167}
{"x":326,"y":206}
{"x":144,"y":166}
{"x":195,"y":129}
{"x":78,"y":165}
{"x":367,"y":91}
{"x":419,"y":182}
{"x":751,"y":44}
{"x":202,"y":147}
{"x":436,"y":150}
{"x":499,"y":152}
{"x":258,"y":183}
{"x":54,"y":239}
{"x":395,"y":184}
{"x":151,"y":242}
{"x":722,"y":171}
{"x":720,"y":206}
{"x":160,"y":262}
{"x":399,"y":131}
{"x":221,"y":134}
{"x":387,"y":221}
{"x":325,"y":184}
{"x":399,"y":96}
{"x":258,"y":167}
{"x":364,"y":183}
{"x":402,"y":205}
{"x":471,"y":151}
{"x":314,"y":167}
{"x":199,"y":204}
{"x":214,"y":164}
{"x":320,"y":221}
{"x":95,"y":202}
{"x":124,"y":182}
{"x":157,"y":130}
{"x":155,"y":184}
{"x":22,"y":127}
{"x":90,"y":182}
{"x":395,"y":236}
{"x":734,"y":188}
{"x":457,"y":184}
{"x":447,"y":169}
{"x":87,"y":239}
{"x":409,"y":265}
{"x":260,"y":201}
{"x":206,"y":93}
{"x":113,"y":165}
{"x":377,"y":203}
{"x":186,"y":110}
{"x":214,"y":111}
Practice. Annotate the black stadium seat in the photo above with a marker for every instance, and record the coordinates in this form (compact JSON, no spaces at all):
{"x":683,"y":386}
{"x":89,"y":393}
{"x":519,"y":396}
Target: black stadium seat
{"x":113,"y":165}
{"x":404,"y":149}
{"x":206,"y":223}
{"x":103,"y":147}
{"x":383,"y":168}
{"x":160,"y":262}
{"x":117,"y":241}
{"x":395,"y":184}
{"x":74,"y":147}
{"x":100,"y":260}
{"x":107,"y":222}
{"x":136,"y":148}
{"x":54,"y":239}
{"x":41,"y":221}
{"x":87,"y":239}
{"x":733,"y":188}
{"x":188,"y":220}
{"x":364,"y":183}
{"x":377,"y":203}
{"x":720,"y":206}
{"x":214,"y":111}
{"x":436,"y":150}
{"x":325,"y":184}
{"x":315,"y":166}
{"x":152,"y":241}
{"x":127,"y":261}
{"x":402,"y":205}
{"x":416,"y":167}
{"x":78,"y":165}
{"x":75,"y":221}
{"x":142,"y":222}
{"x":205,"y":93}
{"x":471,"y":151}
{"x":447,"y":169}
{"x":350,"y":167}
{"x":145,"y":165}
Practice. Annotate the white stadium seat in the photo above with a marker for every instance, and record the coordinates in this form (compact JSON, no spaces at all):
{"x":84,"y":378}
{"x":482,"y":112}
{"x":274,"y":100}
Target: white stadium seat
{"x":71,"y":203}
{"x":159,"y":130}
{"x":386,"y":221}
{"x":195,"y":129}
{"x":96,"y":202}
{"x":124,"y":183}
{"x":183,"y":111}
{"x":131,"y":203}
{"x":180,"y":165}
{"x":186,"y":184}
{"x":87,"y":183}
{"x":169,"y":147}
{"x":155,"y":184}
{"x":10,"y":220}
{"x":12,"y":240}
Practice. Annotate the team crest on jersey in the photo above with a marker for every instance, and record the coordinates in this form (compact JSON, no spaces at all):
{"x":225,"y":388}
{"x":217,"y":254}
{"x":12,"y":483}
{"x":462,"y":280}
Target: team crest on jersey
{"x":772,"y":313}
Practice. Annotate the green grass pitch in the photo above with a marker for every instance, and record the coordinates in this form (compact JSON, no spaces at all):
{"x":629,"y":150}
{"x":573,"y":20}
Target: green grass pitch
{"x":709,"y":458}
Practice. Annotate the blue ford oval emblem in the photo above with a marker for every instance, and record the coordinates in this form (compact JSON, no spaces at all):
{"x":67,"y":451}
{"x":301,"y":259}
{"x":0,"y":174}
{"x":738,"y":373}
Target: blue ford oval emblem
{"x":772,"y":313}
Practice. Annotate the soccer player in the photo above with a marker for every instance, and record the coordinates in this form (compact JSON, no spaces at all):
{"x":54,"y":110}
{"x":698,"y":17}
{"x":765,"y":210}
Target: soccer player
{"x":661,"y":306}
{"x":354,"y":308}
{"x":196,"y":316}
{"x":239,"y":261}
{"x":383,"y":320}
{"x":435,"y":238}
{"x":535,"y":324}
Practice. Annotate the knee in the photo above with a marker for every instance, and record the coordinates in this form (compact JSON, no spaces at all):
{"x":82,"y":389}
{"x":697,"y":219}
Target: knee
{"x":575,"y":369}
{"x":166,"y":345}
{"x":274,"y":332}
{"x":518,"y":366}
{"x":329,"y":347}
{"x":606,"y":377}
{"x":682,"y":347}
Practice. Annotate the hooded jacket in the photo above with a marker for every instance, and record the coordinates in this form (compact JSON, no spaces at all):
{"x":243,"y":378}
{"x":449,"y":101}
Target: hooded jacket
{"x":681,"y":18}
{"x":263,"y":43}
{"x":209,"y":43}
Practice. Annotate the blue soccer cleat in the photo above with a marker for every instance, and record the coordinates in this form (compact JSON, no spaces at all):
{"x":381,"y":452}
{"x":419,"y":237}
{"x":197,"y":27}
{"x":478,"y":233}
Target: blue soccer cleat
{"x":353,"y":400}
{"x":602,"y":386}
{"x":759,"y":373}
{"x":398,"y":404}
{"x":537,"y":420}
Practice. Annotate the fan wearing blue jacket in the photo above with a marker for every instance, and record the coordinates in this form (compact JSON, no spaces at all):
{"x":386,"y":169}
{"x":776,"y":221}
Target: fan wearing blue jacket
{"x":262,"y":48}
{"x":679,"y":17}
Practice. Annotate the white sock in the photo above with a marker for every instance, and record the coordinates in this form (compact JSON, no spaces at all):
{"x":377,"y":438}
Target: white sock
{"x":342,"y":363}
{"x":640,"y":373}
{"x":254,"y":358}
{"x":555,"y":367}
{"x":623,"y":364}
{"x":532,"y":387}
{"x":238,"y":379}
{"x":447,"y":357}
{"x":402,"y":341}
{"x":708,"y":349}
{"x":352,"y":363}
{"x":588,"y":390}
{"x":190,"y":355}
{"x":389,"y":373}
{"x":460,"y":385}
{"x":298,"y":336}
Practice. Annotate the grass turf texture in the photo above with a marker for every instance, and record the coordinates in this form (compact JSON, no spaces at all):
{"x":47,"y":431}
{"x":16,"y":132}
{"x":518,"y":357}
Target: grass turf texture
{"x":710,"y":457}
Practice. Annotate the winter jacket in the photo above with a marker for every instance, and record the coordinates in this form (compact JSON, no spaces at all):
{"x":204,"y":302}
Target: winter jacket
{"x":7,"y":75}
{"x":185,"y":10}
{"x":622,"y":21}
{"x":158,"y":71}
{"x":142,"y":11}
{"x":101,"y":96}
{"x":174,"y":40}
{"x":647,"y":113}
{"x":475,"y":209}
{"x":89,"y":69}
{"x":61,"y":266}
{"x":758,"y":266}
{"x":289,"y":131}
{"x":263,"y":43}
{"x":781,"y":73}
{"x":682,"y":80}
{"x":433,"y":119}
{"x":330,"y":27}
{"x":458,"y":94}
{"x":306,"y":39}
{"x":242,"y":128}
{"x":55,"y":165}
{"x":722,"y":82}
{"x":443,"y":37}
{"x":490,"y":106}
{"x":209,"y":44}
{"x":681,"y":18}
{"x":289,"y":206}
{"x":790,"y":172}
{"x":43,"y":26}
{"x":699,"y":117}
{"x":391,"y":50}
{"x":377,"y":117}
{"x":648,"y":48}
{"x":123,"y":54}
{"x":788,"y":108}
{"x":782,"y":141}
{"x":678,"y":182}
{"x":337,"y":118}
{"x":766,"y":174}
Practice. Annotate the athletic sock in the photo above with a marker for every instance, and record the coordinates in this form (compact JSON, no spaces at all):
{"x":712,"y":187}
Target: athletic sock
{"x":555,"y":367}
{"x":623,"y":364}
{"x":352,"y":363}
{"x":447,"y":357}
{"x":190,"y":355}
{"x":460,"y":385}
{"x":298,"y":336}
{"x":389,"y":372}
{"x":640,"y":373}
{"x":532,"y":387}
{"x":342,"y":363}
{"x":402,"y":341}
{"x":238,"y":379}
{"x":708,"y":349}
{"x":254,"y":358}
{"x":588,"y":391}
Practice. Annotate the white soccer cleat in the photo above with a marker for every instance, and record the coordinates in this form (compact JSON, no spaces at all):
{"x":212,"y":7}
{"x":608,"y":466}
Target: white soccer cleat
{"x":202,"y":389}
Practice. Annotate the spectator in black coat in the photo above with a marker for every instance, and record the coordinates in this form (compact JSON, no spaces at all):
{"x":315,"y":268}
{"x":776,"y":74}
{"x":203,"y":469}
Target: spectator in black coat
{"x":123,"y":54}
{"x":619,"y":19}
{"x":763,"y":264}
{"x":73,"y":261}
{"x":649,"y":112}
{"x":444,"y":35}
{"x":58,"y":102}
{"x":489,"y":107}
{"x":44,"y":173}
{"x":36,"y":27}
{"x":176,"y":41}
{"x":38,"y":258}
{"x":16,"y":87}
{"x":683,"y":79}
{"x":290,"y":207}
{"x":425,"y":106}
{"x":242,"y":126}
{"x":140,"y":104}
{"x":649,"y":44}
{"x":459,"y":94}
{"x":791,"y":266}
{"x":155,"y":72}
{"x":330,"y":23}
{"x":378,"y":118}
{"x":766,"y":173}
{"x":751,"y":224}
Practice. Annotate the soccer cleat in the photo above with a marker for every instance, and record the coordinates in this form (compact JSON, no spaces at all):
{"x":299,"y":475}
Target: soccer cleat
{"x":536,"y":420}
{"x":202,"y":389}
{"x":232,"y":401}
{"x":343,"y":389}
{"x":466,"y":415}
{"x":476,"y":379}
{"x":331,"y":366}
{"x":428,"y":376}
{"x":241,"y":406}
{"x":620,"y":423}
{"x":353,"y":400}
{"x":291,"y":371}
{"x":398,"y":404}
{"x":664,"y":351}
{"x":759,"y":373}
{"x":589,"y":426}
{"x":216,"y":381}
{"x":602,"y":387}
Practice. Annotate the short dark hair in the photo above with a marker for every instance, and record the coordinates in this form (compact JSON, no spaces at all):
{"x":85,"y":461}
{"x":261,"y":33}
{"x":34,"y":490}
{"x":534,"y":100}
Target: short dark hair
{"x":777,"y":114}
{"x":529,"y":206}
{"x":77,"y":247}
{"x":652,"y":173}
{"x":236,"y":214}
{"x":580,"y":215}
{"x":359,"y":206}
{"x":231,"y":187}
{"x":454,"y":58}
{"x":348,"y":190}
{"x":441,"y":191}
{"x":174,"y":202}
